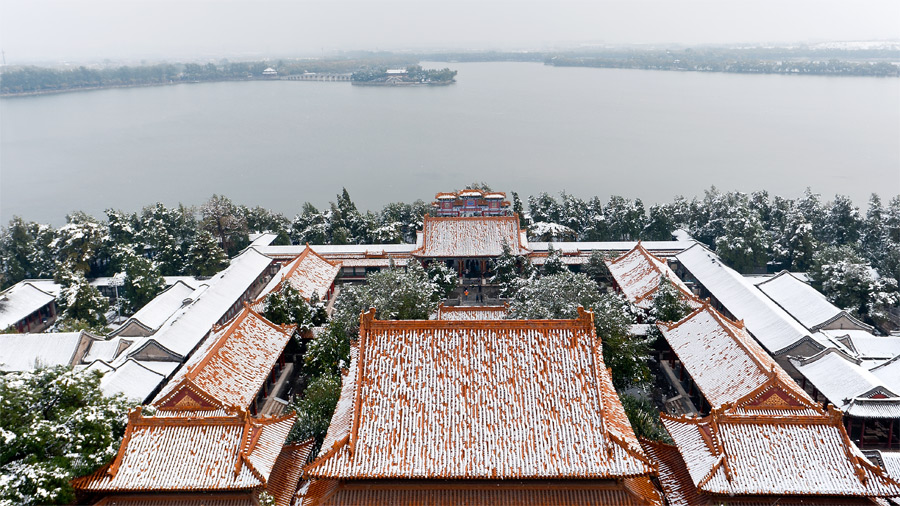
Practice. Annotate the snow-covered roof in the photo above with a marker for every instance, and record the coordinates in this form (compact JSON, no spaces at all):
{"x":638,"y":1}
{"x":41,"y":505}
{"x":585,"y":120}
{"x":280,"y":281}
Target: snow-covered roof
{"x":638,"y":274}
{"x":889,"y":373}
{"x":657,"y":248}
{"x":135,"y":379}
{"x":721,"y":357}
{"x":737,"y":451}
{"x":106,"y":350}
{"x":472,"y":312}
{"x":374,"y":262}
{"x":478,"y":400}
{"x":863,"y":345}
{"x":337,"y":251}
{"x":25,"y":352}
{"x":163,"y":306}
{"x":234,"y":452}
{"x":262,"y":239}
{"x":802,"y":301}
{"x":841,"y":379}
{"x":21,"y":300}
{"x":769,"y":324}
{"x":186,"y":328}
{"x":309,"y":274}
{"x":229,"y":368}
{"x":477,"y":236}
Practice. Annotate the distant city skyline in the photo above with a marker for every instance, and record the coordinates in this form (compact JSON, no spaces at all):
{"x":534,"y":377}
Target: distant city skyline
{"x":35,"y":31}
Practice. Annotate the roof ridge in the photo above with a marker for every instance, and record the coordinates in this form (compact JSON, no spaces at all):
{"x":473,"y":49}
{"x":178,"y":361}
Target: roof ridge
{"x":366,"y":321}
{"x":689,"y":316}
{"x":775,"y":381}
{"x":235,"y":322}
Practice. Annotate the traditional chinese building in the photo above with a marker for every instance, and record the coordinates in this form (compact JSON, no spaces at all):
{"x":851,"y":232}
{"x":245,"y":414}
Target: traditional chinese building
{"x":470,"y":203}
{"x":478,"y":412}
{"x":309,"y":273}
{"x":228,"y":458}
{"x":240,"y":365}
{"x":714,"y":361}
{"x":637,"y":274}
{"x":769,"y":446}
{"x":468,"y":244}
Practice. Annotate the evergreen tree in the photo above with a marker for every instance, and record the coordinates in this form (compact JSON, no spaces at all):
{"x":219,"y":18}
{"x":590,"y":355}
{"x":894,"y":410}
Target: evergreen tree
{"x":315,"y":408}
{"x":596,"y":268}
{"x":205,"y":257}
{"x":80,"y":304}
{"x":288,"y":307}
{"x":743,"y":243}
{"x":874,"y":238}
{"x":519,"y":211}
{"x":310,"y":226}
{"x":16,"y":245}
{"x":79,"y":241}
{"x":845,"y":277}
{"x":660,"y":224}
{"x":443,"y":277}
{"x":56,"y":426}
{"x":795,"y":244}
{"x":842,"y":222}
{"x":624,"y":219}
{"x":143,"y":280}
{"x":506,"y":269}
{"x":595,"y":222}
{"x":554,"y":263}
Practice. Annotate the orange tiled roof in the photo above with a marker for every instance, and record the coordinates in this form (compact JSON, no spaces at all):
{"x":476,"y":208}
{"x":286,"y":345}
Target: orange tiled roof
{"x":638,"y":273}
{"x":287,"y":471}
{"x":165,"y":454}
{"x":472,"y":312}
{"x":309,"y":274}
{"x":745,"y":449}
{"x":725,"y":362}
{"x":679,"y":490}
{"x":627,"y":492}
{"x":229,"y":368}
{"x":479,"y":400}
{"x":478,"y":236}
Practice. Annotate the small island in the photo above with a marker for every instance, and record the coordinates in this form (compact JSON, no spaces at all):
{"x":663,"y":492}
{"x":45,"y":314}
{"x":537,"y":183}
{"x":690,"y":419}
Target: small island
{"x":413,"y":75}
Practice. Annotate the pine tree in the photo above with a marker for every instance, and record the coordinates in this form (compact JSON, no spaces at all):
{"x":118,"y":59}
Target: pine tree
{"x":842,"y":222}
{"x":205,"y":257}
{"x":554,"y":263}
{"x":506,"y":272}
{"x":81,"y":305}
{"x":143,"y":280}
{"x":56,"y":425}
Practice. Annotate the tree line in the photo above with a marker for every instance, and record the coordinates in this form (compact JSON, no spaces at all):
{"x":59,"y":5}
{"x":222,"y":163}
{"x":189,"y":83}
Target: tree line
{"x":853,"y":258}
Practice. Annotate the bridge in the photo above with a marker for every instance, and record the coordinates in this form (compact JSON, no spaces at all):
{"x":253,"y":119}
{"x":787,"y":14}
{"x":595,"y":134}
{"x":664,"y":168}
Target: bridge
{"x":316,"y":76}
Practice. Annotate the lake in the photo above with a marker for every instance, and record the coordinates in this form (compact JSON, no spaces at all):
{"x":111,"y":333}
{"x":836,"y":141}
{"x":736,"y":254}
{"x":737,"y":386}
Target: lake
{"x":518,"y":126}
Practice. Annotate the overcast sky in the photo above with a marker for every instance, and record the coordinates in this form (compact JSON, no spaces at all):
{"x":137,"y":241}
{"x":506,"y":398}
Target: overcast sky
{"x":90,"y":30}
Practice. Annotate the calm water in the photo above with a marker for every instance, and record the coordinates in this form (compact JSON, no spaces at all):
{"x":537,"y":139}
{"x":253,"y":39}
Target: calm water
{"x":517,"y":126}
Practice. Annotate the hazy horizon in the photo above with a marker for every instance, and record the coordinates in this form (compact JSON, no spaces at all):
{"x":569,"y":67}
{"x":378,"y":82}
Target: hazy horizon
{"x":34,"y":31}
